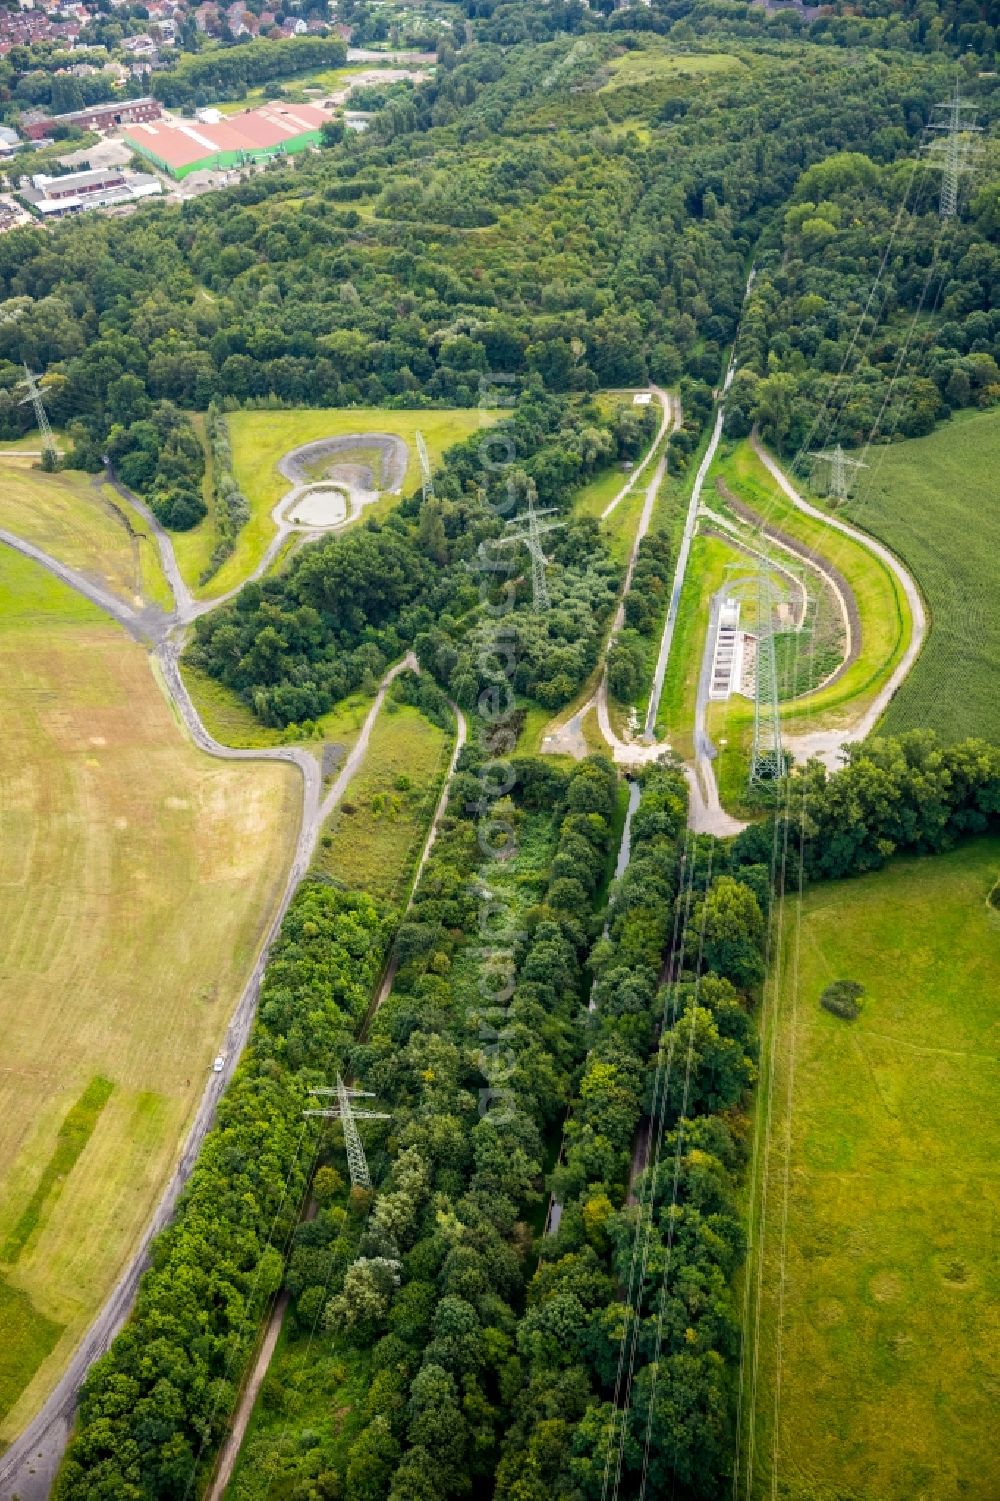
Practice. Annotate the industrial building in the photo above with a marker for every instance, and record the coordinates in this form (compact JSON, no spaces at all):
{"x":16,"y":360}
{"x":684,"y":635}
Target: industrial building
{"x":52,"y":197}
{"x":179,"y":147}
{"x":38,"y":126}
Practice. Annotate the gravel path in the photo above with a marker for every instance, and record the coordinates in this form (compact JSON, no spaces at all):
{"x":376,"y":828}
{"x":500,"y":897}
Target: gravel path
{"x":28,"y":1467}
{"x":229,"y":1453}
{"x":826,"y":745}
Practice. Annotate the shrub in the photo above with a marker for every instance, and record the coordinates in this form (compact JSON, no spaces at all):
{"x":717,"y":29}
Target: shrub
{"x":843,"y":999}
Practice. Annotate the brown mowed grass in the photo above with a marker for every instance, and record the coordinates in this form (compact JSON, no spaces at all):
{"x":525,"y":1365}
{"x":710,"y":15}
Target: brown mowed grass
{"x":136,"y":878}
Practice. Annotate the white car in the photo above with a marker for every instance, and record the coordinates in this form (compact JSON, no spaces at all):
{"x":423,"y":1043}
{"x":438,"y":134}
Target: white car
{"x":219,"y":1064}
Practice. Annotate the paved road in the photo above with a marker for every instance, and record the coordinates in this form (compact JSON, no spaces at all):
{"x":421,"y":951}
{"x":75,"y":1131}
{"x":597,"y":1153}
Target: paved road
{"x":826,"y":745}
{"x":690,"y":527}
{"x":29,"y":1465}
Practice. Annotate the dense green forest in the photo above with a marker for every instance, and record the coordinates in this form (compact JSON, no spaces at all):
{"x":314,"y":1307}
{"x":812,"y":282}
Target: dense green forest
{"x":538,"y":220}
{"x":484,"y":1348}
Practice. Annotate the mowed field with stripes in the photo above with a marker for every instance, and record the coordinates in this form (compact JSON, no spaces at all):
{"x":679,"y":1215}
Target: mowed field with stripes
{"x":873,"y":1358}
{"x":136,"y":877}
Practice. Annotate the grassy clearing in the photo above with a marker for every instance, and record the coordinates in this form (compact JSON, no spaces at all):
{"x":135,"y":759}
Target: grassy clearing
{"x":374,"y":838}
{"x":227,"y":717}
{"x":890,"y":1362}
{"x":318,"y":1385}
{"x":135,"y":877}
{"x":654,"y":64}
{"x":933,"y":501}
{"x":260,"y":439}
{"x":193,"y":549}
{"x":86,"y":526}
{"x":706,"y":572}
{"x":300,"y":88}
{"x":886,"y":624}
{"x":592,"y":497}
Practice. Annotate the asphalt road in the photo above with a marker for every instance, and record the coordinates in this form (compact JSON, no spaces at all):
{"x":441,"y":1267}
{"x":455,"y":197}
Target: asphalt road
{"x":28,"y":1467}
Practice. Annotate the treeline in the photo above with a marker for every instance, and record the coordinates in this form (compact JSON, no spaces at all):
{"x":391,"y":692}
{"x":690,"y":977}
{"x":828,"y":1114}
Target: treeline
{"x":293,"y":645}
{"x":161,"y":457}
{"x":818,"y":337}
{"x":906,"y":795}
{"x":682,"y":1053}
{"x":473,"y":1055}
{"x":645,"y":604}
{"x":228,"y":72}
{"x":305,"y":293}
{"x":232,"y":509}
{"x":154,"y":1409}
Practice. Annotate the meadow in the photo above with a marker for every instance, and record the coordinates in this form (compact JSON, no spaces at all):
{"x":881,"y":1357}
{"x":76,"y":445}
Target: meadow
{"x":136,"y":877}
{"x":261,"y":438}
{"x":86,"y":525}
{"x":878,"y":1223}
{"x":373,"y":840}
{"x":933,"y":501}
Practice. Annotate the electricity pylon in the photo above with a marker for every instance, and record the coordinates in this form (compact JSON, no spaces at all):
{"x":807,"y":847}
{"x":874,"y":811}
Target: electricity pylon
{"x":344,"y":1111}
{"x":425,"y":467}
{"x":954,"y":155}
{"x":530,"y":538}
{"x":767,"y":759}
{"x":34,"y":396}
{"x":842,"y":469}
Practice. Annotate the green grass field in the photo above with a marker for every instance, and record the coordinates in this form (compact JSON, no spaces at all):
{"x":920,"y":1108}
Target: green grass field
{"x":654,"y":64}
{"x":260,"y":439}
{"x":933,"y":501}
{"x":885,"y":617}
{"x":889,"y":1358}
{"x":135,"y":877}
{"x":227,"y":717}
{"x":86,"y":526}
{"x":373,"y":840}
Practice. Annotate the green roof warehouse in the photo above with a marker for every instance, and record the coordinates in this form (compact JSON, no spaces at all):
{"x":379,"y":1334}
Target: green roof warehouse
{"x":179,"y":147}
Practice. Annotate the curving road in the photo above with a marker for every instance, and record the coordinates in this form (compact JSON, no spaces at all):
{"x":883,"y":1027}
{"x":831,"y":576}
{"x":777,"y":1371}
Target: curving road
{"x":826,"y":745}
{"x":29,"y":1465}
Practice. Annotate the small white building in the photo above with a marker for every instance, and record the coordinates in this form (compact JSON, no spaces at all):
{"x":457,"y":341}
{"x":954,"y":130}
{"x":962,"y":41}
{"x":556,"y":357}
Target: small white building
{"x":108,"y":187}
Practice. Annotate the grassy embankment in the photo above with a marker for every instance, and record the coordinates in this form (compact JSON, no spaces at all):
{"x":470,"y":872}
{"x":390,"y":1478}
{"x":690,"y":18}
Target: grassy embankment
{"x":889,"y":1356}
{"x":261,"y":438}
{"x":933,"y":501}
{"x":885,"y":619}
{"x":85,"y":526}
{"x":137,"y":875}
{"x":373,"y":840}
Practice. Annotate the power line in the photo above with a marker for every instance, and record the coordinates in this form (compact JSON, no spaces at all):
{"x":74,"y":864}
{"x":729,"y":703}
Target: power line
{"x":345,"y":1112}
{"x":956,"y":153}
{"x":530,"y":536}
{"x":767,"y":759}
{"x":50,"y":454}
{"x":841,"y":471}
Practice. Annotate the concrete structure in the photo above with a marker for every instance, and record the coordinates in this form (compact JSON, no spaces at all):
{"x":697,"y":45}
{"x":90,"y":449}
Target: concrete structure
{"x":96,"y":117}
{"x":9,"y":140}
{"x":179,"y":147}
{"x":727,"y":661}
{"x":52,"y":197}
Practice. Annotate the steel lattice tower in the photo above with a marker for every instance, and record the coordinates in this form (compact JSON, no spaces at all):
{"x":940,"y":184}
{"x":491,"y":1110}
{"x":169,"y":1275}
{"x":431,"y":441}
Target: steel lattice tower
{"x":34,"y":396}
{"x":531,"y":537}
{"x":954,"y":154}
{"x":842,"y":469}
{"x":767,"y":759}
{"x":344,"y":1111}
{"x":427,"y":483}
